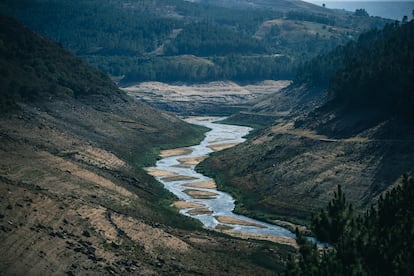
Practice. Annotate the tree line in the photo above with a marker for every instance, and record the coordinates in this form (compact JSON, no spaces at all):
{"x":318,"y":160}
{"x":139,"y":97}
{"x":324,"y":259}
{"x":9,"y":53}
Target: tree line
{"x":193,"y":69}
{"x":374,"y":72}
{"x":378,"y":242}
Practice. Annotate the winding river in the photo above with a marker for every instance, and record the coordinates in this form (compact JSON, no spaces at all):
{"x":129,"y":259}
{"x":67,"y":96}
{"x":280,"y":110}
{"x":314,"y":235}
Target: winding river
{"x":198,"y":195}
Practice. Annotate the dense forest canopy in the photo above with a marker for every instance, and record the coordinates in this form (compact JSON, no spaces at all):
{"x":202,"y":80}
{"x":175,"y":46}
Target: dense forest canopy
{"x":378,"y":242}
{"x":29,"y":72}
{"x":120,"y":37}
{"x":374,"y":72}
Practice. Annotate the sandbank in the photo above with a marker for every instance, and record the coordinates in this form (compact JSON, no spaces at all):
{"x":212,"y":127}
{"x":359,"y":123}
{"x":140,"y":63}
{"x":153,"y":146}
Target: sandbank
{"x":191,"y":160}
{"x":211,"y":184}
{"x":200,"y":194}
{"x":178,"y":178}
{"x":180,"y":204}
{"x":161,"y":173}
{"x":199,"y":211}
{"x":231,"y":220}
{"x":175,"y":152}
{"x":276,"y":239}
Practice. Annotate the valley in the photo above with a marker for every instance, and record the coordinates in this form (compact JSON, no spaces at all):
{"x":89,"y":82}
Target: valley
{"x":111,"y":164}
{"x":198,"y":195}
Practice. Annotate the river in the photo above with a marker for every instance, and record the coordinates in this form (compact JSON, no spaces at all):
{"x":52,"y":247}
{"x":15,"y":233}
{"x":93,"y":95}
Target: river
{"x":198,"y":195}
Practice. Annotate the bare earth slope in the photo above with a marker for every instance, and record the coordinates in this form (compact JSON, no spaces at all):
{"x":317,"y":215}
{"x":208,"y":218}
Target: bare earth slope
{"x":220,"y":97}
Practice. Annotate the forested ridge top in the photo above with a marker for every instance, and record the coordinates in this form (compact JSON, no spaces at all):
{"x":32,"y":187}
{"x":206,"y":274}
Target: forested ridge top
{"x":150,"y":40}
{"x":372,"y":77}
{"x":33,"y":68}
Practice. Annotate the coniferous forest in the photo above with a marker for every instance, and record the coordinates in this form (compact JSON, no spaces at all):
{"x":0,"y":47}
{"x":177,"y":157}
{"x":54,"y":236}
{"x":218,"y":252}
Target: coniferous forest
{"x":374,"y":72}
{"x":378,"y":242}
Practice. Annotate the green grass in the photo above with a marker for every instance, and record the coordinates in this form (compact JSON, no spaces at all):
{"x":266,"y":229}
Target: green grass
{"x":247,"y":203}
{"x":149,"y":152}
{"x":254,"y":121}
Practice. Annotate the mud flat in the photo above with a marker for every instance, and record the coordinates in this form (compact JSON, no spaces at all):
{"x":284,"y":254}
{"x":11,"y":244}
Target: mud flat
{"x":180,"y":204}
{"x":175,"y":152}
{"x":207,"y":97}
{"x":231,"y":220}
{"x":211,"y":184}
{"x":200,"y":194}
{"x":222,"y":146}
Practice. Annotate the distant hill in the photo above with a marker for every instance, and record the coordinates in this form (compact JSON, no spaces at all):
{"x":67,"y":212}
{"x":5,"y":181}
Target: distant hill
{"x":151,"y":40}
{"x":359,"y":136}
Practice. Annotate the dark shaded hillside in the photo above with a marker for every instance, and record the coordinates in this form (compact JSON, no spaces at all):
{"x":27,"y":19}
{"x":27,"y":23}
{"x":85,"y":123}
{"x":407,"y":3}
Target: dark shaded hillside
{"x":74,"y":198}
{"x":380,"y":72}
{"x":151,"y":40}
{"x":371,"y":82}
{"x":371,"y":77}
{"x":34,"y":69}
{"x":375,"y":243}
{"x":362,"y":138}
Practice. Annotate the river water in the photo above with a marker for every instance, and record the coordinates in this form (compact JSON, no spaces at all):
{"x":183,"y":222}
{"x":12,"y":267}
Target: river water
{"x":198,"y":195}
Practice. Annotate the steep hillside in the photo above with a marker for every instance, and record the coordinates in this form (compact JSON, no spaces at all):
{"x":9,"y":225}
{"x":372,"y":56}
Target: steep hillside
{"x":372,"y":76}
{"x":362,"y":138}
{"x":73,"y":196}
{"x":151,"y":40}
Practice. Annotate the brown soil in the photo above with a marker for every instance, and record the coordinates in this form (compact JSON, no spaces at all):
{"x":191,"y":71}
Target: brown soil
{"x":157,"y":172}
{"x":211,"y":184}
{"x":200,"y":194}
{"x":281,"y":240}
{"x":230,"y":220}
{"x":178,"y":178}
{"x":188,"y":161}
{"x":220,"y":147}
{"x":184,"y":204}
{"x":175,"y":152}
{"x":200,"y":211}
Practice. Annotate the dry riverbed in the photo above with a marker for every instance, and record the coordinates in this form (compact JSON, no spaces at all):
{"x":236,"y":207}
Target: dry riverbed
{"x":202,"y":98}
{"x":199,"y":195}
